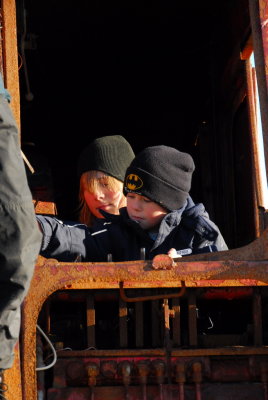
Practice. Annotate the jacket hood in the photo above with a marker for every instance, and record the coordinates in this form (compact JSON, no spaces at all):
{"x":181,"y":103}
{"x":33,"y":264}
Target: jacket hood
{"x":191,"y":215}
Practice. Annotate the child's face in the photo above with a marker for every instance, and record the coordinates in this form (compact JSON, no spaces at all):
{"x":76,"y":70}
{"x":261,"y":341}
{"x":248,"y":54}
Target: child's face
{"x":144,"y":211}
{"x":103,"y":197}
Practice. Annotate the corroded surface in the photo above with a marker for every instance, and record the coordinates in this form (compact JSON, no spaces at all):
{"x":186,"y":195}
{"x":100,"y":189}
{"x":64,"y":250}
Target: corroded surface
{"x":44,"y":207}
{"x":263,"y":15}
{"x":9,"y":66}
{"x":12,"y":378}
{"x":152,"y":371}
{"x":246,"y":266}
{"x":160,"y":352}
{"x":264,"y":25}
{"x":257,"y":250}
{"x":10,"y":55}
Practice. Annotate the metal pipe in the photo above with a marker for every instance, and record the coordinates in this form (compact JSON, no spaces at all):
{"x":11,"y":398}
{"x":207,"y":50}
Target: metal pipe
{"x":197,"y":378}
{"x":264,"y":379}
{"x":160,"y":369}
{"x":92,"y":372}
{"x":180,"y":378}
{"x":125,"y":369}
{"x":143,"y":370}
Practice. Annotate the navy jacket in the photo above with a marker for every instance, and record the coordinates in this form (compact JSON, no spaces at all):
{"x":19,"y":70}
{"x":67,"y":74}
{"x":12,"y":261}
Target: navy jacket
{"x":118,"y":235}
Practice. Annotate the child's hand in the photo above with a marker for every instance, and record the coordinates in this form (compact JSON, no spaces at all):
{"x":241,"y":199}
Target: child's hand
{"x":173,"y":253}
{"x":165,"y":261}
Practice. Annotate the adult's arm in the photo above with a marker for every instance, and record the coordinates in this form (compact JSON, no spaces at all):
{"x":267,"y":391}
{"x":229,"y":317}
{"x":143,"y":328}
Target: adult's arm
{"x":20,"y":238}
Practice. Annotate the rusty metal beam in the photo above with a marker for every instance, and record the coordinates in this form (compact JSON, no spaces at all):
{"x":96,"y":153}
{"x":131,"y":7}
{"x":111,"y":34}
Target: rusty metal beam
{"x":10,"y":54}
{"x":246,"y":266}
{"x":256,"y":250}
{"x":258,"y":18}
{"x":9,"y":69}
{"x":160,"y":352}
{"x":58,"y":276}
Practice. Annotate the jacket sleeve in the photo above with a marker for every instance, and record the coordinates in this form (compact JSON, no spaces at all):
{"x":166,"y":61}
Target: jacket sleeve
{"x":209,"y":234}
{"x":20,"y":238}
{"x":70,"y":241}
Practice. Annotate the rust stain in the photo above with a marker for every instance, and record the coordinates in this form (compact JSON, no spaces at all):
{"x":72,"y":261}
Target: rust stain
{"x":12,"y":378}
{"x":263,"y":12}
{"x":10,"y":55}
{"x":247,"y":266}
{"x":44,"y":207}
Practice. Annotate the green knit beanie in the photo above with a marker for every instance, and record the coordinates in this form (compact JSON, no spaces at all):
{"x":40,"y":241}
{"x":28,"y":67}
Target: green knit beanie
{"x":109,"y":154}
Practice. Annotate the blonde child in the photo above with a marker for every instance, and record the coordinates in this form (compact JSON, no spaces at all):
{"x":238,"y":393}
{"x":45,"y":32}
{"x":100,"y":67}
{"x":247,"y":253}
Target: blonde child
{"x":101,"y":170}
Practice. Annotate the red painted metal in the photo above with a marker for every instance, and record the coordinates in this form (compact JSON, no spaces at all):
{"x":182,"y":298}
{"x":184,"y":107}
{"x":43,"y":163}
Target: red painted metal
{"x":146,"y":378}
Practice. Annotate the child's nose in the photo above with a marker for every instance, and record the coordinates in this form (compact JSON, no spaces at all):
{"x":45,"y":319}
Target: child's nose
{"x":99,"y":194}
{"x":137,"y":205}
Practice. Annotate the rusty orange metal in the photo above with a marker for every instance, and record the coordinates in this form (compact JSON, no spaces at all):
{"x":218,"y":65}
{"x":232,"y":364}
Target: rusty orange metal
{"x":243,"y":267}
{"x":45,"y":207}
{"x":12,"y":377}
{"x":9,"y":69}
{"x":9,"y":63}
{"x":235,"y":268}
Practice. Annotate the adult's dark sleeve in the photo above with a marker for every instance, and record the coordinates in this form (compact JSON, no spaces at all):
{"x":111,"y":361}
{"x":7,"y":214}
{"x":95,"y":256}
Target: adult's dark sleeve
{"x":20,"y":238}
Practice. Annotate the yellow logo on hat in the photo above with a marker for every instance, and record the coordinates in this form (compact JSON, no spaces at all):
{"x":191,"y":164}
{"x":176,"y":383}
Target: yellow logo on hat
{"x":133,"y":182}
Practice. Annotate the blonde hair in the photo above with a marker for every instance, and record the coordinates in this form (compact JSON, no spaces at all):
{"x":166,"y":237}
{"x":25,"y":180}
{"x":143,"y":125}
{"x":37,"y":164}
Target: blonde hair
{"x":90,"y":182}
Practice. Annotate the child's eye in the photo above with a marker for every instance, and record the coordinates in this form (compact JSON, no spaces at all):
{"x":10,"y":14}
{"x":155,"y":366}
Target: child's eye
{"x":103,"y":183}
{"x":147,"y":200}
{"x":130,"y":196}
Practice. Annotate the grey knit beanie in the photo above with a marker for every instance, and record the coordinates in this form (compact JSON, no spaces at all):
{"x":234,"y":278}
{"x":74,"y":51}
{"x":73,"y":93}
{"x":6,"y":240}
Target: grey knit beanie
{"x":161,"y":173}
{"x":109,"y":154}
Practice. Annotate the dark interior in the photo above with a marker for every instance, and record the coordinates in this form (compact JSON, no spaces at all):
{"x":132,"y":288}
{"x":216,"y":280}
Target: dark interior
{"x":161,"y":72}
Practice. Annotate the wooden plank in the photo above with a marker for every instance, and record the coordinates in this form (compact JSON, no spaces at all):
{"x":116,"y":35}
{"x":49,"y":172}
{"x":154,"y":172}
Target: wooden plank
{"x":9,"y":62}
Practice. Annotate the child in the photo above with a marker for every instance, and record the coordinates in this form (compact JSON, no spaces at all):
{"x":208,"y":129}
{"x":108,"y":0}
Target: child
{"x":160,"y":215}
{"x":101,"y":168}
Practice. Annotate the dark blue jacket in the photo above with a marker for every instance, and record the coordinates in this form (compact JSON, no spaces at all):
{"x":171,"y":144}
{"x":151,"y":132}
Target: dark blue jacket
{"x":118,"y":235}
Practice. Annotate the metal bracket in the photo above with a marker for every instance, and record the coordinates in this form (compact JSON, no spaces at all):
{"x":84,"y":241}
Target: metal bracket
{"x":155,"y":297}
